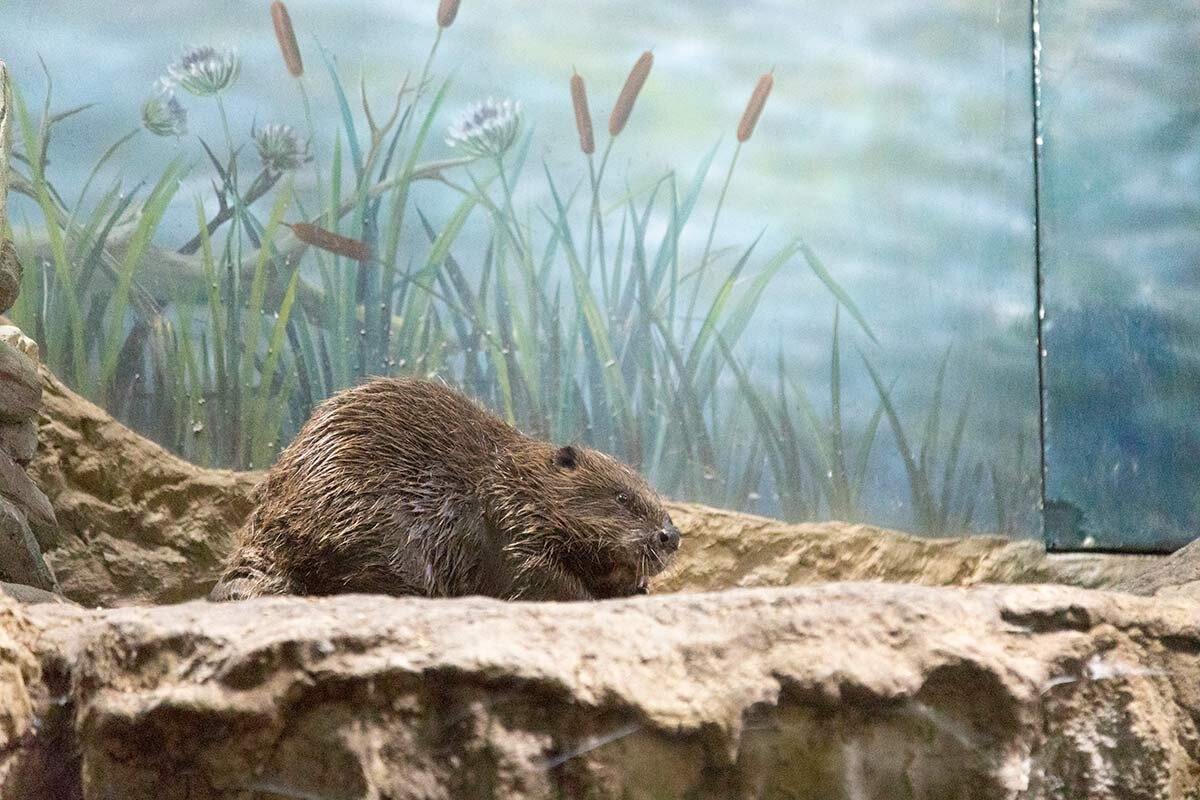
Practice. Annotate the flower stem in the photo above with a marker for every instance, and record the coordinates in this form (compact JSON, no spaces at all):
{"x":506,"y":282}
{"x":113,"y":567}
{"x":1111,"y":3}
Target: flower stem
{"x":233,"y":325}
{"x":437,"y":39}
{"x":508,"y":207}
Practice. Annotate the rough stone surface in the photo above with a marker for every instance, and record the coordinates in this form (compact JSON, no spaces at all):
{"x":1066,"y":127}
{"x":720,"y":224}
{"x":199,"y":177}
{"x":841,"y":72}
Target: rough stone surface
{"x":20,"y":387}
{"x":142,"y":526}
{"x":19,"y":440}
{"x":1178,"y":574}
{"x":20,"y":557}
{"x":842,"y":691}
{"x":138,"y":524}
{"x":10,"y":274}
{"x":724,"y":549}
{"x":25,"y":593}
{"x":19,"y":489}
{"x":27,"y":767}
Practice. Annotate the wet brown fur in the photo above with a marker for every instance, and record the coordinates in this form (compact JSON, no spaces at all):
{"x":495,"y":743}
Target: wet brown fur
{"x":406,"y":487}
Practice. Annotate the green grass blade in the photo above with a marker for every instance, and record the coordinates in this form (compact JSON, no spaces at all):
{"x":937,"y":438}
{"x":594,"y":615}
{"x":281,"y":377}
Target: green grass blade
{"x":768,"y":432}
{"x":614,"y":382}
{"x":819,"y":269}
{"x":108,"y":154}
{"x":347,"y":116}
{"x":64,"y":271}
{"x":217,"y":322}
{"x":840,"y":480}
{"x":863,"y":458}
{"x":933,"y":422}
{"x":418,"y":143}
{"x":258,"y":286}
{"x":951,"y":466}
{"x":715,"y":311}
{"x":917,"y":481}
{"x":152,"y":212}
{"x":110,"y":210}
{"x":741,"y":313}
{"x":261,"y":433}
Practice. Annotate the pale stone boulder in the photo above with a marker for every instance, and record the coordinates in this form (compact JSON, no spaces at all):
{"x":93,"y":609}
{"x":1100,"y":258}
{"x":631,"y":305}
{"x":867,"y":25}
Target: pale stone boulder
{"x":14,"y":337}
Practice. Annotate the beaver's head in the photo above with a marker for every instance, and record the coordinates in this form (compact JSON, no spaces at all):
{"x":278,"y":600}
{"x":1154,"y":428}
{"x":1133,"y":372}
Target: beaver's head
{"x":603,"y":522}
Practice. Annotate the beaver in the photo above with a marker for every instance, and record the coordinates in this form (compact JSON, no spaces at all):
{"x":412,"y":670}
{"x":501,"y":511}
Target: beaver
{"x":403,"y":486}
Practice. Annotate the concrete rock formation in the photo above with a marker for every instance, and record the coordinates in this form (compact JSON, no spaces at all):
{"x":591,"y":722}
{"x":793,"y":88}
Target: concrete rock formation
{"x":858,"y":691}
{"x":726,"y":549}
{"x":139,"y":524}
{"x":27,"y":523}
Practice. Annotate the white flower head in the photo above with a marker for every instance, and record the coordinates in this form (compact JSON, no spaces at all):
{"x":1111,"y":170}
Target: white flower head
{"x":278,"y":148}
{"x":162,"y":113}
{"x":205,"y":71}
{"x":486,"y":129}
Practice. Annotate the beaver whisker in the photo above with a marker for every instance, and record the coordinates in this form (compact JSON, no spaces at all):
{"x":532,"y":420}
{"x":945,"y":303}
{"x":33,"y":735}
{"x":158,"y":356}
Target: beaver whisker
{"x":659,"y":561}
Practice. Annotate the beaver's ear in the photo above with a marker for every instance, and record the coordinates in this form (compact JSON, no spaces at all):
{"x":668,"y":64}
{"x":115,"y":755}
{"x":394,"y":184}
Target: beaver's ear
{"x":566,"y":457}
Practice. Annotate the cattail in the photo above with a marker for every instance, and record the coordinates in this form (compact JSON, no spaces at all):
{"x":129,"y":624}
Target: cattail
{"x":629,"y":93}
{"x":755,"y":106}
{"x":333,"y":242}
{"x":286,"y":36}
{"x":583,"y":117}
{"x":447,"y":11}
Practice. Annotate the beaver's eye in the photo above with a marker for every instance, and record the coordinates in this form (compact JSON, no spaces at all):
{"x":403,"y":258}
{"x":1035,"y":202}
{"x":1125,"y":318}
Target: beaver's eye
{"x":623,"y":498}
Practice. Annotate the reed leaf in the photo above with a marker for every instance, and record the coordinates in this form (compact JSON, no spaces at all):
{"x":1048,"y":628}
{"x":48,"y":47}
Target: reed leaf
{"x":820,"y":270}
{"x":63,"y":270}
{"x":258,"y":286}
{"x":152,"y":212}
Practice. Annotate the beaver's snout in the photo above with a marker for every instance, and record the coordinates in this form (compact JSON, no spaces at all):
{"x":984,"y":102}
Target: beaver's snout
{"x":667,"y":537}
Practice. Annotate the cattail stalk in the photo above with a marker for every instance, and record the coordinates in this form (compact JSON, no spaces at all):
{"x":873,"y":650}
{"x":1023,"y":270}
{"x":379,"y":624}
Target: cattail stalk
{"x":755,"y":106}
{"x":447,"y":11}
{"x":629,"y":93}
{"x":745,"y":128}
{"x":330,"y":241}
{"x":583,"y":117}
{"x":587,"y":143}
{"x":616,"y":124}
{"x":285,"y":34}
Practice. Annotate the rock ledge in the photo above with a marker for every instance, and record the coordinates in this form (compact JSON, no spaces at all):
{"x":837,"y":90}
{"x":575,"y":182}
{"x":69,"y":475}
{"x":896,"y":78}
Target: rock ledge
{"x":846,"y":690}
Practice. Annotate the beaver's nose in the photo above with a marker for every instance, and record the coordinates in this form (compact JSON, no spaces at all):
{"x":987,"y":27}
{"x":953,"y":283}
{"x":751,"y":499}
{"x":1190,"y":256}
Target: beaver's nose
{"x":668,"y":537}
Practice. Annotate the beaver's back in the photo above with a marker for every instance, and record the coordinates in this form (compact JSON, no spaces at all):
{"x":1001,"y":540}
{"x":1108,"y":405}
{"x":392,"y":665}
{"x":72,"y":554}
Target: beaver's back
{"x":379,"y":492}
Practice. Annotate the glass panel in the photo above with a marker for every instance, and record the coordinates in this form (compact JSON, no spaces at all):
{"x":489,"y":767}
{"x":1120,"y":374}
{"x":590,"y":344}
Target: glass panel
{"x":895,"y":147}
{"x":1121,"y":245}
